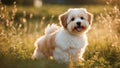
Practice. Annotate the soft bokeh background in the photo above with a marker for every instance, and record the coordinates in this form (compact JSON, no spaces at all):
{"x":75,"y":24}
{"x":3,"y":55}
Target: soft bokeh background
{"x":23,"y":21}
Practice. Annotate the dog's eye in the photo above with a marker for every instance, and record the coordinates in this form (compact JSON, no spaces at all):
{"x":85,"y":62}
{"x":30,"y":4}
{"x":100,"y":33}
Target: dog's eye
{"x":82,"y":18}
{"x":73,"y":19}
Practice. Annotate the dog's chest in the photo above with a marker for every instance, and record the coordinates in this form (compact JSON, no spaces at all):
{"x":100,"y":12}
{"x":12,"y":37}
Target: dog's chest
{"x":68,"y":42}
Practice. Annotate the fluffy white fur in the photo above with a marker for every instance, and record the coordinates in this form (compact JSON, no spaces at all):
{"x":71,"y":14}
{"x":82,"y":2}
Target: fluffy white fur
{"x":69,"y":40}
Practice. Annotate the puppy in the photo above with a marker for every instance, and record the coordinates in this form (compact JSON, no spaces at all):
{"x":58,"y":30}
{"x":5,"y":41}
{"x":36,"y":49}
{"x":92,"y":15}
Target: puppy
{"x":67,"y":40}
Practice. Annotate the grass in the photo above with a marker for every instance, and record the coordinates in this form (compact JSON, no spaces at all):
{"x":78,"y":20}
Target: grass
{"x":21,"y":26}
{"x":47,"y":11}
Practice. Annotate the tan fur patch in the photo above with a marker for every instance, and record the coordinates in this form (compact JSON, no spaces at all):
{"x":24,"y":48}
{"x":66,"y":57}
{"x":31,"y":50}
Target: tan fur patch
{"x":90,"y":17}
{"x":47,"y":45}
{"x":63,"y":19}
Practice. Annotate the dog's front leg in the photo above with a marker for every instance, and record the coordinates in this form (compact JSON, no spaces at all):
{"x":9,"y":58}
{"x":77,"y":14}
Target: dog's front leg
{"x":60,"y":55}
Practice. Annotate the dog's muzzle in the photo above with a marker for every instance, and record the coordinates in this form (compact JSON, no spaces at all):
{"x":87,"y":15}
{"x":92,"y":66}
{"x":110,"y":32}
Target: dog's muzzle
{"x":79,"y":27}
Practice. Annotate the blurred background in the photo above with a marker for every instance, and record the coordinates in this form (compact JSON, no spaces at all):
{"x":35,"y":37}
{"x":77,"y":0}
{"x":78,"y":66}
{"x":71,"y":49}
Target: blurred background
{"x":47,"y":8}
{"x":23,"y":21}
{"x":66,"y":2}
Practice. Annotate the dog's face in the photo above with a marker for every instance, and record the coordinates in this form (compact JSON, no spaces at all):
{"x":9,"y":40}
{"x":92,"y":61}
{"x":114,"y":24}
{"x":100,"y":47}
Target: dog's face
{"x":76,"y":21}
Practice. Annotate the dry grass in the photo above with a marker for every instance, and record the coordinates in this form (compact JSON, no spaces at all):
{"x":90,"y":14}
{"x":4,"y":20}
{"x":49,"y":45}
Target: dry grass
{"x":104,"y":48}
{"x":18,"y":33}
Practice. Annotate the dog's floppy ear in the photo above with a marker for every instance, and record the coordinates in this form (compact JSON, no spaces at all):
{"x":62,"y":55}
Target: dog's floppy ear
{"x":90,"y":17}
{"x":63,"y":19}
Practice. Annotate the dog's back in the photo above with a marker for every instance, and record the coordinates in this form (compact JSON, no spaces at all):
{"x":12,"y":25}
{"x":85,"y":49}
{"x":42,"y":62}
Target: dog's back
{"x":51,"y":28}
{"x":44,"y":45}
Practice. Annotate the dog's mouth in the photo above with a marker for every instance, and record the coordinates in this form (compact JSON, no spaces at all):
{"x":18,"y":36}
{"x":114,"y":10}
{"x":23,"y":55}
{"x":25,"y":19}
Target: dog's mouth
{"x":79,"y":28}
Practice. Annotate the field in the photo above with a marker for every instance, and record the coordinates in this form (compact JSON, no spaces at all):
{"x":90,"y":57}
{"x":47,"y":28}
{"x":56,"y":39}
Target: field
{"x":21,"y":26}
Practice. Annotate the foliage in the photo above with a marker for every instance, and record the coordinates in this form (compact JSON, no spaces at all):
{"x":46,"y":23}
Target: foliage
{"x":20,"y":27}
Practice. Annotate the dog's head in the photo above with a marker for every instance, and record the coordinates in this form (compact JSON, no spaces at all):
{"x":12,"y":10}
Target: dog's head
{"x":76,"y":20}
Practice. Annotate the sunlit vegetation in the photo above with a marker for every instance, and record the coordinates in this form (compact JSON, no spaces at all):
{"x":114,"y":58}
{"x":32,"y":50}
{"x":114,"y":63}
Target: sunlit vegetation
{"x":21,"y":26}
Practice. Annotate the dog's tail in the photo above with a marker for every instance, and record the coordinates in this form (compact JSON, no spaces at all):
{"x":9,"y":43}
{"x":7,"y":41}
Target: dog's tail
{"x":51,"y":28}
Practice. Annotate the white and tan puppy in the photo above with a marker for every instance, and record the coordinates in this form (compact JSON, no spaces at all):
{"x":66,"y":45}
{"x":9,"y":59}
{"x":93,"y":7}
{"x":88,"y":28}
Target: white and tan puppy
{"x":68,"y":40}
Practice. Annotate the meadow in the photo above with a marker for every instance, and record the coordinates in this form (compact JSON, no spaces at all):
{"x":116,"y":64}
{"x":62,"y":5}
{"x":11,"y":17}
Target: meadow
{"x":21,"y":26}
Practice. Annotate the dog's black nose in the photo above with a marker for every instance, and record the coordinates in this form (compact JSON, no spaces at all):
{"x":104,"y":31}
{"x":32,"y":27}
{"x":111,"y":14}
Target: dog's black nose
{"x":78,"y":23}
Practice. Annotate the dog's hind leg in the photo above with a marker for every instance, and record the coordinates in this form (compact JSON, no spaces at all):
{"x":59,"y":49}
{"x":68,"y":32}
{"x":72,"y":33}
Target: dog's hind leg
{"x":37,"y":54}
